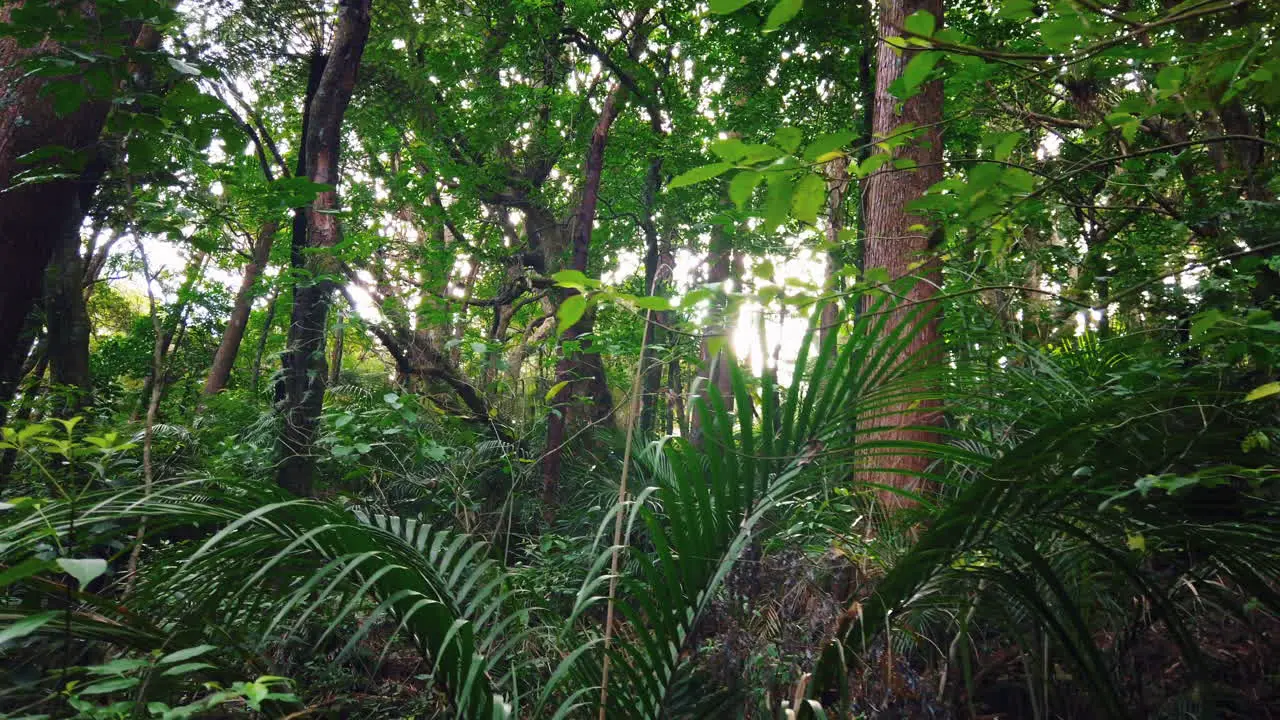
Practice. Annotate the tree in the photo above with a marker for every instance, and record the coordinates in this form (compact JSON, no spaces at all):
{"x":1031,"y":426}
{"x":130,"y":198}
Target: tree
{"x":901,"y":241}
{"x":61,"y":114}
{"x":303,"y":380}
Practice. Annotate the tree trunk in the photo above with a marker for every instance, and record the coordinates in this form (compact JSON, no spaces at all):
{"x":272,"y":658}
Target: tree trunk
{"x":225,"y":358}
{"x":716,"y":358}
{"x":29,"y":122}
{"x":339,"y":330}
{"x":657,"y":276}
{"x":17,"y":362}
{"x":175,"y":323}
{"x":894,"y":245}
{"x":303,"y":361}
{"x":34,"y":369}
{"x":262,"y":342}
{"x":582,"y":371}
{"x":837,"y":186}
{"x":68,"y":320}
{"x":317,"y":62}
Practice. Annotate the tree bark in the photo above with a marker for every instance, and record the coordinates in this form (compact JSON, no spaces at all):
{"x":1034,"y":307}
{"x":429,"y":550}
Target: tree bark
{"x":657,"y":278}
{"x":173,"y":326}
{"x":303,"y":380}
{"x":837,"y":186}
{"x":262,"y":342}
{"x":896,"y":242}
{"x":28,"y":122}
{"x":339,"y":330}
{"x":68,"y":319}
{"x":717,"y":360}
{"x":18,"y":360}
{"x":225,"y":358}
{"x":582,"y":371}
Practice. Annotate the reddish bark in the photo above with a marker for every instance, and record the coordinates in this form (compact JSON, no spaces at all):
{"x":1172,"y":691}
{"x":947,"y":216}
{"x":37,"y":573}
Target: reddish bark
{"x":582,"y":371}
{"x":225,"y":358}
{"x":303,"y":382}
{"x":894,"y":245}
{"x":28,"y":122}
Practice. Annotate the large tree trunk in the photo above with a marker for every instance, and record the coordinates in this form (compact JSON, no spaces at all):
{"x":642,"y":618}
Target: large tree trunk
{"x":894,"y":245}
{"x":225,"y":359}
{"x":68,"y":319}
{"x":33,"y":217}
{"x":582,"y":371}
{"x":717,"y":360}
{"x":303,"y":380}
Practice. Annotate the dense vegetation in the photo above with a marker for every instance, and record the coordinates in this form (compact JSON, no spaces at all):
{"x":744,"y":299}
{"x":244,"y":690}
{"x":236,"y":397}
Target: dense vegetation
{"x":639,"y":359}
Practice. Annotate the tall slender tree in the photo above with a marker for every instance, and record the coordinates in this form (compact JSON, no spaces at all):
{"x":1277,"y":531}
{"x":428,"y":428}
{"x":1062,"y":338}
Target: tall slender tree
{"x":303,"y":381}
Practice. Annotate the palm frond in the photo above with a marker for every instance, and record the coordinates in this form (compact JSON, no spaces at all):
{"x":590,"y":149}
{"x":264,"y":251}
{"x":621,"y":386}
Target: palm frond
{"x":265,"y":564}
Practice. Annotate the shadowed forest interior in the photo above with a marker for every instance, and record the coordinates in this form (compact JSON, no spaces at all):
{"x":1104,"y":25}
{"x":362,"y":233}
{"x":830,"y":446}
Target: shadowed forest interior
{"x":785,"y":359}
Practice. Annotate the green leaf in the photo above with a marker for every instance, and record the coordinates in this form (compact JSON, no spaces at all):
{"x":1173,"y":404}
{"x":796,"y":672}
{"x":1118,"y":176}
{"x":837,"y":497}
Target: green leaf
{"x":119,"y":666}
{"x":873,"y":163}
{"x":555,"y":390}
{"x":1018,"y":179}
{"x":84,"y":570}
{"x":575,"y":279}
{"x":826,"y":144}
{"x":730,"y":150}
{"x":742,"y":185}
{"x":23,"y":570}
{"x":760,"y":153}
{"x":788,"y":138}
{"x":181,"y":66}
{"x":724,"y":7}
{"x":920,"y":22}
{"x":1006,"y":145}
{"x":186,"y":668}
{"x":26,"y":626}
{"x":570,"y":312}
{"x":1017,"y":10}
{"x":186,"y":654}
{"x":777,"y":202}
{"x":1170,"y":79}
{"x":782,"y":13}
{"x":67,"y":97}
{"x":1204,"y":322}
{"x":106,"y":686}
{"x":1059,"y":33}
{"x":699,"y":174}
{"x":652,"y":302}
{"x":809,"y":196}
{"x":1271,"y":388}
{"x":915,"y":73}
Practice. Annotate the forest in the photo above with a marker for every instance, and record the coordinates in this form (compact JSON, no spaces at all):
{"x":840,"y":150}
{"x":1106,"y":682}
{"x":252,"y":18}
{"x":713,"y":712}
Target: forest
{"x":639,"y":359}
